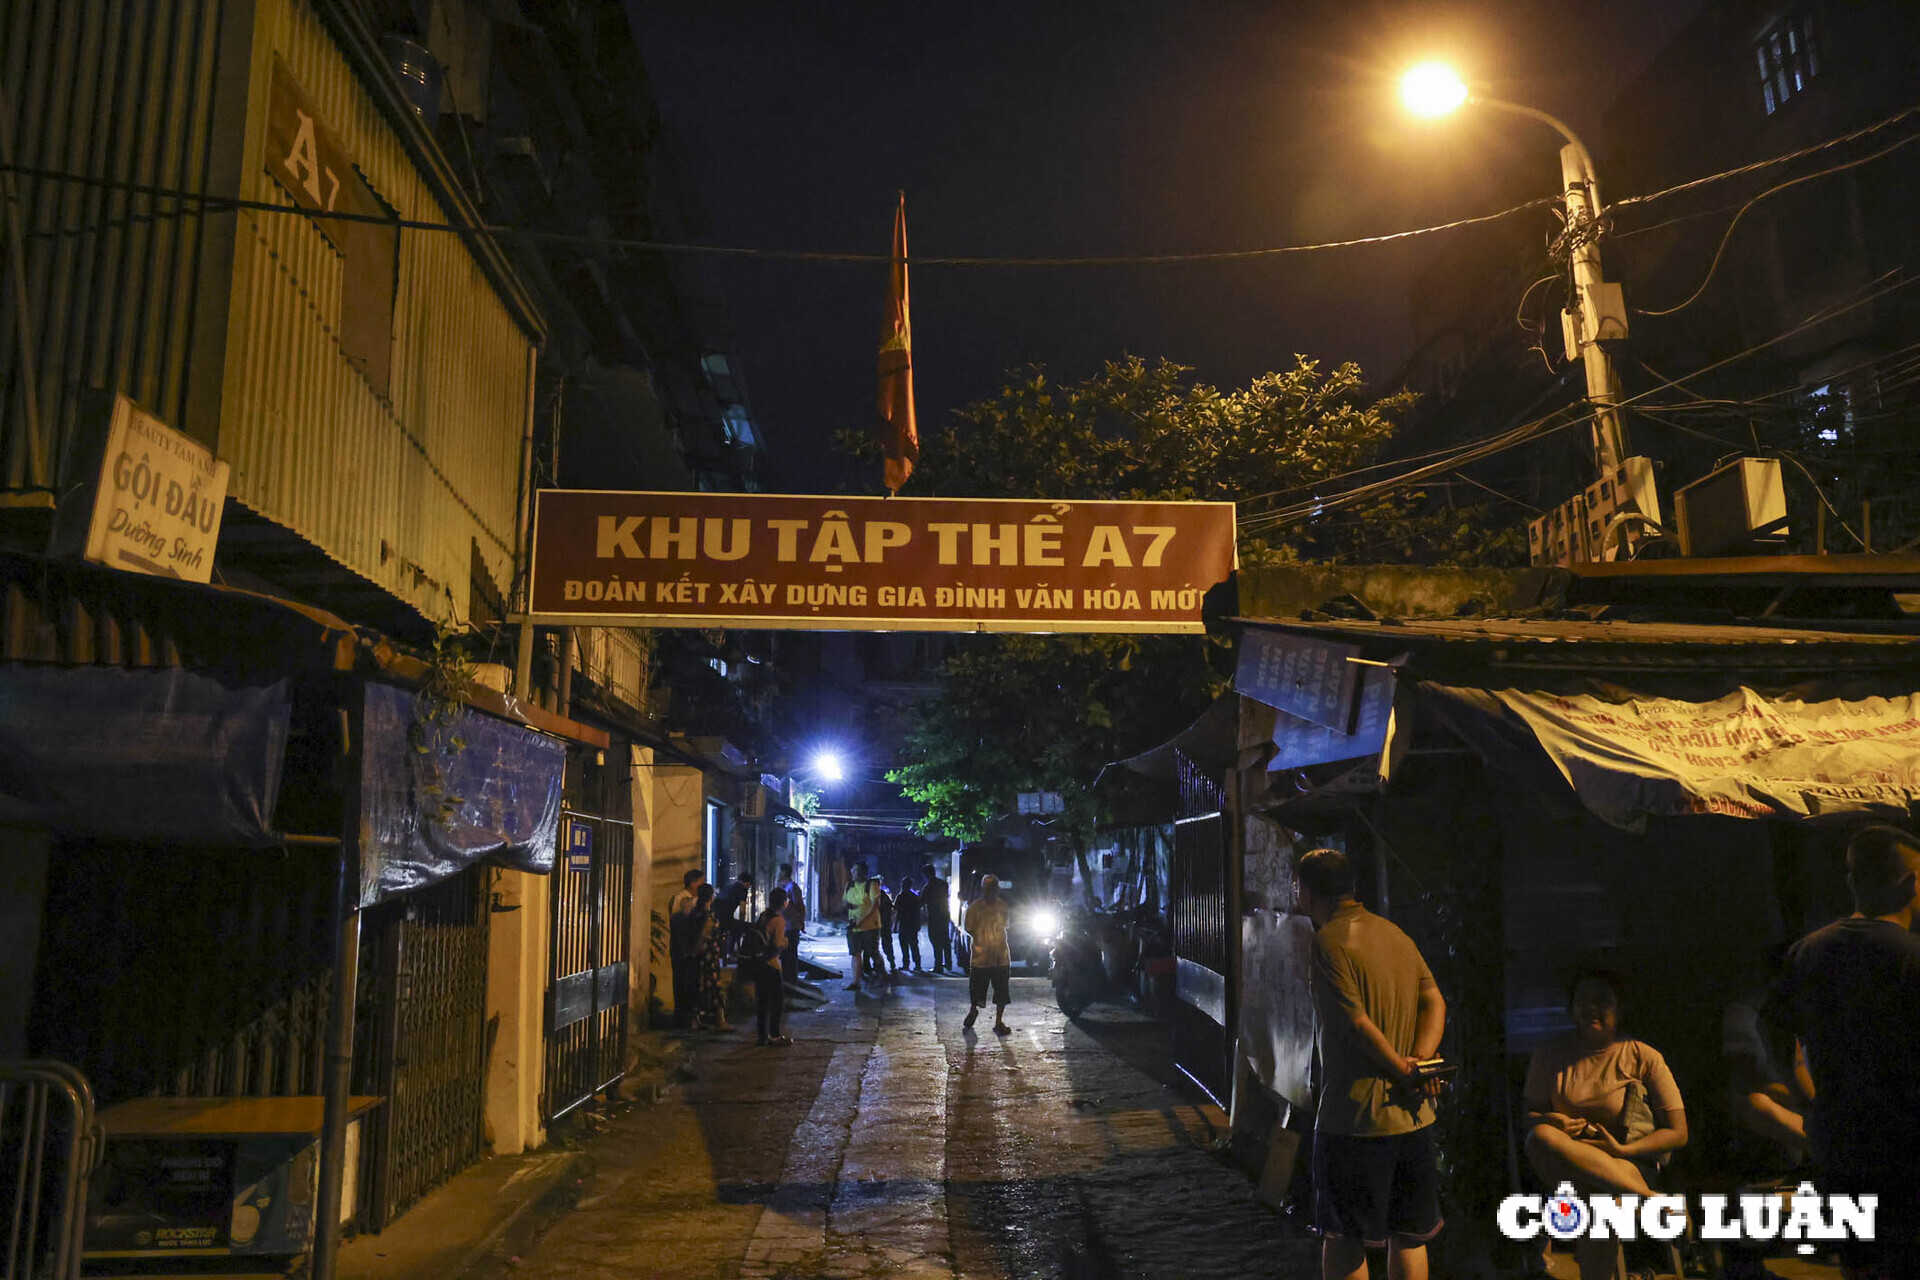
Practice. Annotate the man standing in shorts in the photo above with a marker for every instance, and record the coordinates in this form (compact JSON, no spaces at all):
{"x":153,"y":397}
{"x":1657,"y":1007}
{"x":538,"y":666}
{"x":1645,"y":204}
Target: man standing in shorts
{"x":863,"y":924}
{"x":1379,"y":1012}
{"x":986,"y":923}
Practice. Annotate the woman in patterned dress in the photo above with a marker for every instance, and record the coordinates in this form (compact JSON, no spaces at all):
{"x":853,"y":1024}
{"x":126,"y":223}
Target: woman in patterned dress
{"x":706,"y":929}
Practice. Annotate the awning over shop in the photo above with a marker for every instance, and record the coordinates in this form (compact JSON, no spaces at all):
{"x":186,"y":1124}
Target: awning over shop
{"x":429,"y":814}
{"x":1209,"y":741}
{"x":162,"y":755}
{"x":1741,"y":755}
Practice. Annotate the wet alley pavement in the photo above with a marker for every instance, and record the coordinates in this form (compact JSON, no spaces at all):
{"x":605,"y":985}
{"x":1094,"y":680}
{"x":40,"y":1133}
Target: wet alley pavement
{"x":888,"y":1141}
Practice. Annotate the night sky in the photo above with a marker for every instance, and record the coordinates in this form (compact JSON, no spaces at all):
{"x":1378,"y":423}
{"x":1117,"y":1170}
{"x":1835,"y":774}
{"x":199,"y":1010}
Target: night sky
{"x":1066,"y":129}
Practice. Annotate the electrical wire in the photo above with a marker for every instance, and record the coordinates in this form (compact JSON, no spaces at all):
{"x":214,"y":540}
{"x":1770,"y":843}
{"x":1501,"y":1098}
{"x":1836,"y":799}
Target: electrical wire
{"x":205,"y":202}
{"x":1785,"y":158}
{"x":1504,"y":497}
{"x":1320,"y":482}
{"x":1520,"y":312}
{"x":1320,"y":505}
{"x":1538,"y":427}
{"x":1727,"y":236}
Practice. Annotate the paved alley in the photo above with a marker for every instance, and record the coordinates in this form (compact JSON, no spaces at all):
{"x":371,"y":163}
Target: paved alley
{"x":888,"y":1141}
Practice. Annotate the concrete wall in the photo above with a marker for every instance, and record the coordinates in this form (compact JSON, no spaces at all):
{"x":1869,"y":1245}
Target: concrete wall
{"x":678,"y":813}
{"x":517,"y":961}
{"x":642,"y":964}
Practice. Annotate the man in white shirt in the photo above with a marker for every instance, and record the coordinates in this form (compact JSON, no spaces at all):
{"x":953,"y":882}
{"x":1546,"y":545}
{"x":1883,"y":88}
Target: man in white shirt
{"x":985,"y":922}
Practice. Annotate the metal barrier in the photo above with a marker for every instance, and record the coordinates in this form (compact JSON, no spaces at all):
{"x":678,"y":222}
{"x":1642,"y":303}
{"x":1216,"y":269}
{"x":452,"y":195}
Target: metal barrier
{"x":49,"y":1144}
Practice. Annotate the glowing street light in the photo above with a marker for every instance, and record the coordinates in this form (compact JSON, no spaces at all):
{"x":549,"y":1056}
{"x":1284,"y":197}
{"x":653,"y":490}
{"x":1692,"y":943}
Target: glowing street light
{"x":827,"y":766}
{"x":1432,"y":90}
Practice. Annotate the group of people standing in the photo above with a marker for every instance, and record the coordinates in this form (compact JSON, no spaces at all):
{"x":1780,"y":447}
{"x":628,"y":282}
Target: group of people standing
{"x":874,"y":915}
{"x":706,"y":931}
{"x":877,"y":915}
{"x":1825,"y":1066}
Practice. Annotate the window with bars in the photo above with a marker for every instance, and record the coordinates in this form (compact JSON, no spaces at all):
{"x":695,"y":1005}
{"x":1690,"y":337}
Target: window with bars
{"x":1788,"y":57}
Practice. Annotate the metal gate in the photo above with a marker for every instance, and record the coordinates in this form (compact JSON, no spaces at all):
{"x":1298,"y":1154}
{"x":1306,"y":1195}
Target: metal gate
{"x":1197,"y":892}
{"x":592,"y":914}
{"x":1199,"y":913}
{"x":48,"y":1146}
{"x":422,"y":1039}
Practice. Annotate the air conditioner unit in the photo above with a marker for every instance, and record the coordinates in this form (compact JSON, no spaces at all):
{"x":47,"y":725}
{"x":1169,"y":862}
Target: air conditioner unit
{"x":1732,"y":509}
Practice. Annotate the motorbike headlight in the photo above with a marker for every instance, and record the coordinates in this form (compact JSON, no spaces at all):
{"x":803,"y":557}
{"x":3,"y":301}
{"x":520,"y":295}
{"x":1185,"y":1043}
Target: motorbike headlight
{"x":1045,"y":921}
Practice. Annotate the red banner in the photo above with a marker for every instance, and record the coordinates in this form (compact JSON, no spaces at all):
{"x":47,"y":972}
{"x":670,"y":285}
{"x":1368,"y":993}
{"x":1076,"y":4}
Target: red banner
{"x":766,"y":561}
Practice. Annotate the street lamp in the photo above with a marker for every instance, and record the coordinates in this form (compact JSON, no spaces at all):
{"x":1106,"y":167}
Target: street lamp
{"x":1597,"y":312}
{"x":1432,"y":90}
{"x":828,"y":767}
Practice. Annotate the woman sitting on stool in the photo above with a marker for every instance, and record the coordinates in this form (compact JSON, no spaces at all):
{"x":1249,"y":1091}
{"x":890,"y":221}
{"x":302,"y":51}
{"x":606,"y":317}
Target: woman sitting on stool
{"x":1602,"y":1109}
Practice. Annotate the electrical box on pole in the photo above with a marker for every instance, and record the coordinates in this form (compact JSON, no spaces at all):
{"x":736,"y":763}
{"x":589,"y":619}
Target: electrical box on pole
{"x":1741,"y":507}
{"x":1604,"y":521}
{"x":1602,"y":313}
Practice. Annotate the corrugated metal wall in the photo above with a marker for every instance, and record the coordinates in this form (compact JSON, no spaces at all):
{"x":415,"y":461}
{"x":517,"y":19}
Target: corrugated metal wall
{"x":398,"y":488}
{"x":129,"y":293}
{"x":121,"y":91}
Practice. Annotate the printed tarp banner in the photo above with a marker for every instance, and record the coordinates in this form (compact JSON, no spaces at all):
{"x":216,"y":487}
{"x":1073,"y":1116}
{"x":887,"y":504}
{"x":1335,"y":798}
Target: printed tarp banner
{"x":164,"y":756}
{"x":428,"y":815}
{"x":1743,"y":756}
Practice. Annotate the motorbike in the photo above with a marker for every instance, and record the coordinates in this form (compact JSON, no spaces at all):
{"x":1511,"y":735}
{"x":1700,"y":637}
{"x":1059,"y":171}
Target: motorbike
{"x":1097,"y":956}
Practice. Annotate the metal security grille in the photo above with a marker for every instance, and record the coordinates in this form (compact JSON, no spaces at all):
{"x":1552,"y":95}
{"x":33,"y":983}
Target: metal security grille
{"x":592,"y":917}
{"x":210,"y":980}
{"x":1197,"y":888}
{"x":1198,"y":894}
{"x":423,"y":1003}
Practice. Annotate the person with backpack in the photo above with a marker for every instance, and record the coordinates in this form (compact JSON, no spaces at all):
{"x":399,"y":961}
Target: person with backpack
{"x":761,"y":947}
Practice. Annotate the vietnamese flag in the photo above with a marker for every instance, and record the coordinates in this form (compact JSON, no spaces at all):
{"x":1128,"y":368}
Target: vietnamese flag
{"x":899,"y":437}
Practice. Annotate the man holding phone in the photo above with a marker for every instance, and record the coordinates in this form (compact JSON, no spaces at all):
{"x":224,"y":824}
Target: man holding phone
{"x":1380,"y":1017}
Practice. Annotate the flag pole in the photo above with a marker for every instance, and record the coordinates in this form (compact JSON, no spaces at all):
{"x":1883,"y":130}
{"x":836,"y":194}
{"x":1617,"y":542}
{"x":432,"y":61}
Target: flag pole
{"x":898,"y":432}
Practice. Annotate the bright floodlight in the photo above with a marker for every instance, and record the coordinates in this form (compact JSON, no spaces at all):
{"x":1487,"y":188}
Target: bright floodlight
{"x":1432,"y":89}
{"x":828,"y":766}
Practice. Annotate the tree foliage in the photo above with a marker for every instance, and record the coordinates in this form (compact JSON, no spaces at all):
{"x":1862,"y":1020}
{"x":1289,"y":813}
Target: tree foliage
{"x":1045,"y":713}
{"x":1024,"y":713}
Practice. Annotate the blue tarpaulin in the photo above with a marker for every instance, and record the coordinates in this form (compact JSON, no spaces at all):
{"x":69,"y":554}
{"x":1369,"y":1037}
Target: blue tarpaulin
{"x":164,"y":756}
{"x":430,"y":814}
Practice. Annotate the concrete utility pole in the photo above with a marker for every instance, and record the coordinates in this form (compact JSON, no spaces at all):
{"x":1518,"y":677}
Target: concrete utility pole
{"x":1596,"y":312}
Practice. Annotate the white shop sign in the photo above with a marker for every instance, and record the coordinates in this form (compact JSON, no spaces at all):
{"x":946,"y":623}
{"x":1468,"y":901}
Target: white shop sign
{"x":156,"y":496}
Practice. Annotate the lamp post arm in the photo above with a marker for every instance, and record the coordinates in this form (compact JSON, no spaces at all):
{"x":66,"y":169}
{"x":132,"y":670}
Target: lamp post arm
{"x":1555,"y":123}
